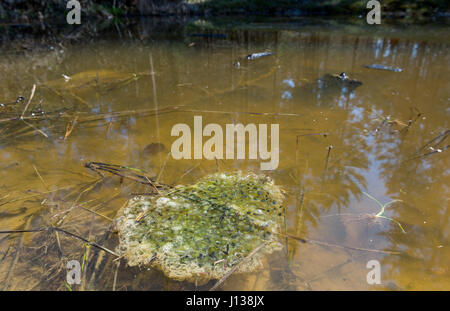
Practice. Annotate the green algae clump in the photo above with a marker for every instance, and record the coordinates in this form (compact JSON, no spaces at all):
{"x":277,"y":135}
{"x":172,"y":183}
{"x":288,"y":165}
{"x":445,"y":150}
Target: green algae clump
{"x":199,"y":232}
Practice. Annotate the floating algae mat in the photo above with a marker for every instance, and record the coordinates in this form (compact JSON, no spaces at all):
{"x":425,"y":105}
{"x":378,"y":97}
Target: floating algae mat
{"x":199,"y":232}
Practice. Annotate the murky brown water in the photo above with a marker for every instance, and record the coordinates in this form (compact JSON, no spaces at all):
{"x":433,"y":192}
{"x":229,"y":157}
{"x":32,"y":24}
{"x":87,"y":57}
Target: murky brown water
{"x":381,"y":136}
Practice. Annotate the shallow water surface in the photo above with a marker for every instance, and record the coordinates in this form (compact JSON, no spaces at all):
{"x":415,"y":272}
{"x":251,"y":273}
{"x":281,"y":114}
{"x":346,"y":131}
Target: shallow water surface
{"x":340,"y":150}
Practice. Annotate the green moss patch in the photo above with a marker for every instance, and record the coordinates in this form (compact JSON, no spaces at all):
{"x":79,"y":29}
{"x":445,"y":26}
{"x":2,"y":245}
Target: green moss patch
{"x":200,"y":231}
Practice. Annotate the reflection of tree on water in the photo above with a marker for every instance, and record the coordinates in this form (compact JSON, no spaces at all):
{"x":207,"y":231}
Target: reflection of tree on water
{"x":419,"y":182}
{"x":321,"y":181}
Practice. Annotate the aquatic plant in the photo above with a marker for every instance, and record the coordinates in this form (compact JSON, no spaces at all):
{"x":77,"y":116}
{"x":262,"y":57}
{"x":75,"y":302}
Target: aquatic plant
{"x":200,"y":232}
{"x":383,"y":206}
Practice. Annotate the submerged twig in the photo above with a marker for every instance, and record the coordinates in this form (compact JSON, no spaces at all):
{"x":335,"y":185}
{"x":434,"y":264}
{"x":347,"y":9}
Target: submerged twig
{"x":433,"y":146}
{"x":40,"y":177}
{"x":235,"y":267}
{"x":29,"y":101}
{"x":161,"y":170}
{"x":306,"y":240}
{"x":16,"y":257}
{"x":51,"y":228}
{"x":70,"y":126}
{"x":115,"y":275}
{"x":126,"y":172}
{"x":437,"y":140}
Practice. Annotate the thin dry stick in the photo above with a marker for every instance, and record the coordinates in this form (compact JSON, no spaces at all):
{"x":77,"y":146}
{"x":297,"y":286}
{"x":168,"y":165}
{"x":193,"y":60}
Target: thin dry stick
{"x":86,"y":255}
{"x":66,"y":212}
{"x":437,"y":140}
{"x":235,"y":267}
{"x":155,"y":99}
{"x":40,"y":177}
{"x":29,"y":101}
{"x":86,"y":241}
{"x":58,"y":242}
{"x":16,"y":257}
{"x":34,"y":195}
{"x":63,"y":231}
{"x":35,"y":128}
{"x":81,"y":100}
{"x":185,"y":173}
{"x":115,"y":276}
{"x":162,"y":167}
{"x":22,"y":231}
{"x":94,"y":212}
{"x":153,"y":185}
{"x":317,"y":277}
{"x":96,"y":269}
{"x":305,"y":240}
{"x":246,"y":112}
{"x":70,"y":126}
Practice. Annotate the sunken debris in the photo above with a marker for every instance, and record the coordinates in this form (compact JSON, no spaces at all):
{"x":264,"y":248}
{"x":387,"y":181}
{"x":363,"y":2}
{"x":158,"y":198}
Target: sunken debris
{"x":199,"y":232}
{"x":252,"y":56}
{"x":383,"y":67}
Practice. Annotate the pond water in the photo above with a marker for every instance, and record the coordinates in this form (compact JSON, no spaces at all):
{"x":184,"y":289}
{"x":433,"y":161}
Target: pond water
{"x":340,"y":150}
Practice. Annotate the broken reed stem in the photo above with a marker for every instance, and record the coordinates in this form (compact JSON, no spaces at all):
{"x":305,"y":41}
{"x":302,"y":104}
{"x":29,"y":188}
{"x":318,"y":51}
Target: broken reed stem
{"x":70,"y":126}
{"x":94,"y":212}
{"x":235,"y":267}
{"x":40,"y":177}
{"x":29,"y":101}
{"x":58,"y":243}
{"x":35,"y":128}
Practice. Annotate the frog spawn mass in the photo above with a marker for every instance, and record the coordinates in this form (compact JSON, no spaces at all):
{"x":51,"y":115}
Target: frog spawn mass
{"x":199,"y":232}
